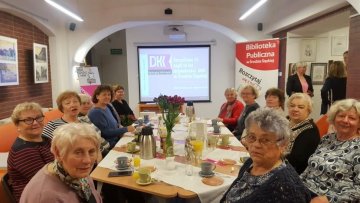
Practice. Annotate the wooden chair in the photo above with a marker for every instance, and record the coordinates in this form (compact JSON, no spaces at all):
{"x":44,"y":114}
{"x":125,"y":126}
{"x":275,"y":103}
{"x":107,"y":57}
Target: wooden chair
{"x":322,"y":125}
{"x":7,"y":188}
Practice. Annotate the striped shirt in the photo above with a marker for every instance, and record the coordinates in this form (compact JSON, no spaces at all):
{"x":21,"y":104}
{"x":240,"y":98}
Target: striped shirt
{"x":52,"y":125}
{"x":25,"y":160}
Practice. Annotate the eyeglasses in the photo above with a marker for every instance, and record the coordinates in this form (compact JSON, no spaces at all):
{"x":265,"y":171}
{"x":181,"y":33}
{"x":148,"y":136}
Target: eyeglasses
{"x":30,"y":121}
{"x":263,"y":141}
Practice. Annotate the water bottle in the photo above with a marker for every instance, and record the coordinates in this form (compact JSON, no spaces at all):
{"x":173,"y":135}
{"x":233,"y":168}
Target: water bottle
{"x":190,"y":111}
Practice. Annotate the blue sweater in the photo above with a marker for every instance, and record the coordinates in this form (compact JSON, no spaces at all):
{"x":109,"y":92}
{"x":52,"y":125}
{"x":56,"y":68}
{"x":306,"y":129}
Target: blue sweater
{"x":110,"y":130}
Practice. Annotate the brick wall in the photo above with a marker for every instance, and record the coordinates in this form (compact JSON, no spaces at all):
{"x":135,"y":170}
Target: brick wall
{"x":26,"y":34}
{"x":353,"y":80}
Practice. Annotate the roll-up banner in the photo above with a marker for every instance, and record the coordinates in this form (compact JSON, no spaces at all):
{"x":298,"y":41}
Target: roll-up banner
{"x":257,"y":64}
{"x":88,"y":79}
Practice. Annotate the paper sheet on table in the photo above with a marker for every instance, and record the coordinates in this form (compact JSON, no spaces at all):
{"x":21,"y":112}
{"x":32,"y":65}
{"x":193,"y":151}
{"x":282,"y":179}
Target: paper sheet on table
{"x":219,"y":154}
{"x":193,"y":183}
{"x":123,"y":141}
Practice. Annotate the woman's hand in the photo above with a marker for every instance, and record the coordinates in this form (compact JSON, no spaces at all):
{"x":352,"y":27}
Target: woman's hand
{"x":319,"y":199}
{"x":130,"y":128}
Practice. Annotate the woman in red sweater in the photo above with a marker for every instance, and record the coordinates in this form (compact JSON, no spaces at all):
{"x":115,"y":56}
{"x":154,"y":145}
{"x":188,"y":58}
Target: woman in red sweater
{"x":231,"y":109}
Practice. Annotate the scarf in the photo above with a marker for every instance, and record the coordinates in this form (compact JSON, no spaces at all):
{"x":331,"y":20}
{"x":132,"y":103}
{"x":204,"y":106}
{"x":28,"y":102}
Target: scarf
{"x":228,"y":107}
{"x":297,"y":129}
{"x":80,"y":185}
{"x":115,"y":114}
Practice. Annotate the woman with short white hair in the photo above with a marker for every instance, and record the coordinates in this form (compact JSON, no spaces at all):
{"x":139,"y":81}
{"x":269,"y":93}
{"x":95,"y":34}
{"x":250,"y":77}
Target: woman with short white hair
{"x":305,"y":134}
{"x":76,"y":147}
{"x":333,"y":173}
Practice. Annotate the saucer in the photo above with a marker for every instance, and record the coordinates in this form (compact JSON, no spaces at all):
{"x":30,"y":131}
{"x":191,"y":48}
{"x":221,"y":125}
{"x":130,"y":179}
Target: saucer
{"x":140,"y":183}
{"x":122,"y":168}
{"x":133,"y":152}
{"x":206,"y":175}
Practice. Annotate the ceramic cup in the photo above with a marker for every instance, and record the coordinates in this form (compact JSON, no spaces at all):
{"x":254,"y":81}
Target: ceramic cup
{"x":146,"y":118}
{"x":225,"y":140}
{"x":212,"y":141}
{"x":207,"y":167}
{"x":216,"y":128}
{"x":214,"y":122}
{"x":122,"y":162}
{"x":131,"y":146}
{"x":144,"y":175}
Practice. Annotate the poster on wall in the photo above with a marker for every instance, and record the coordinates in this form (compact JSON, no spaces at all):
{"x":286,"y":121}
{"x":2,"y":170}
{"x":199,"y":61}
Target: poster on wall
{"x":308,"y":50}
{"x":88,"y":79}
{"x":41,"y":65}
{"x":257,"y":64}
{"x":9,"y":72}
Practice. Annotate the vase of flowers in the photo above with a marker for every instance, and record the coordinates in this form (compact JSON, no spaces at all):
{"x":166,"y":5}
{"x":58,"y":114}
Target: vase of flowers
{"x":170,"y":110}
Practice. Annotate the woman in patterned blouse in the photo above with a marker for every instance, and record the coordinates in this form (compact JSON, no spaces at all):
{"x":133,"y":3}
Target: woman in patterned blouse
{"x":333,"y":171}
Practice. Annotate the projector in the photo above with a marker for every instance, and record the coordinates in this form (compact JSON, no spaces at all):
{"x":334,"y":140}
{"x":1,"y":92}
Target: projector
{"x":175,"y":32}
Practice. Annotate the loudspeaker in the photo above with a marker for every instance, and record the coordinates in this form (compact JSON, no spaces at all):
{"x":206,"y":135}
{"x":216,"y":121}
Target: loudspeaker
{"x":72,"y":26}
{"x":168,"y":11}
{"x":259,"y":26}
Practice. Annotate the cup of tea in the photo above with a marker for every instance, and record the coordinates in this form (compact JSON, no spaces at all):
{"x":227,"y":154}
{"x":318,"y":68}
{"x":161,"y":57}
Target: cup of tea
{"x":122,"y":162}
{"x":216,"y":128}
{"x":214,"y":122}
{"x":207,"y":168}
{"x":225,"y":140}
{"x":131,"y":146}
{"x":144,"y":175}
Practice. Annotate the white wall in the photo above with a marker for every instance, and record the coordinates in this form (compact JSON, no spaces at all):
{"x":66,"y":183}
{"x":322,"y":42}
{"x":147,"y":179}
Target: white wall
{"x":222,"y":63}
{"x":323,"y":55}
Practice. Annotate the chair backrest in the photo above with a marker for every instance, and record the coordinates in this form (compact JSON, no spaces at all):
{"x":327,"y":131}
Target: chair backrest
{"x":7,"y":188}
{"x":8,"y":134}
{"x":52,"y":115}
{"x":322,"y":125}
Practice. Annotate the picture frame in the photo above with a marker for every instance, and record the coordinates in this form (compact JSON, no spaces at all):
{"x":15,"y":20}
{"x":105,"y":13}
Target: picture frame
{"x":292,"y":69}
{"x":9,"y":71}
{"x":339,"y":45}
{"x":318,"y":73}
{"x":41,"y":65}
{"x":308,"y":50}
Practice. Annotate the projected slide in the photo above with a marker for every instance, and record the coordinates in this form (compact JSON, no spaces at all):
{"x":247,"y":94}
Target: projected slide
{"x":174,"y":70}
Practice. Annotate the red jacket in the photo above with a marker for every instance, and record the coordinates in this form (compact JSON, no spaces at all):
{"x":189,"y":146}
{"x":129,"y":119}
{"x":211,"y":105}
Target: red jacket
{"x":231,"y":122}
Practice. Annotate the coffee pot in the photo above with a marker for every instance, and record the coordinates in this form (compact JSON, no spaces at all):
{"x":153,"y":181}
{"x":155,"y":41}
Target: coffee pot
{"x":147,"y":143}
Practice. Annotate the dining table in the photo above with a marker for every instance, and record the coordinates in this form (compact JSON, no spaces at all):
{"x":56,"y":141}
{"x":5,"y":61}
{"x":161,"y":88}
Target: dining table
{"x":176,"y":182}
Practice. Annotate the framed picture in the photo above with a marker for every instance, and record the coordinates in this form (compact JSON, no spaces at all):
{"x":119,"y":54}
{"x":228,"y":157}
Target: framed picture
{"x":318,"y":73}
{"x":41,"y":67}
{"x":308,"y":50}
{"x":292,"y":69}
{"x":9,"y":72}
{"x":339,"y":45}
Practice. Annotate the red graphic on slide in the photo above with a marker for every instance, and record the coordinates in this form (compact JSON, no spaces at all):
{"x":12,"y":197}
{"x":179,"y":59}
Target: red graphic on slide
{"x":158,"y":62}
{"x":259,"y":55}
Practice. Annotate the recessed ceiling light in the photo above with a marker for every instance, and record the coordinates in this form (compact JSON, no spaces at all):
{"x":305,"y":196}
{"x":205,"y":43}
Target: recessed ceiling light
{"x":64,"y":10}
{"x":252,"y":9}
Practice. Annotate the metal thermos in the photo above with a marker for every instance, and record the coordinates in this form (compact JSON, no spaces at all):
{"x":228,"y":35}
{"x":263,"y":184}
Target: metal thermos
{"x":147,"y":143}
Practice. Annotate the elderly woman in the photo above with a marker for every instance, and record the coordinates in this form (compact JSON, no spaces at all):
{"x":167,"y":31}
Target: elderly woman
{"x":299,"y":82}
{"x":275,"y":98}
{"x":334,"y":87}
{"x":85,"y":104}
{"x":231,"y":109}
{"x":76,"y":148}
{"x":68,"y":103}
{"x":334,"y":169}
{"x":305,"y":134}
{"x":248,"y":94}
{"x":120,"y":104}
{"x":104,"y":116}
{"x":265,"y":177}
{"x":30,"y":151}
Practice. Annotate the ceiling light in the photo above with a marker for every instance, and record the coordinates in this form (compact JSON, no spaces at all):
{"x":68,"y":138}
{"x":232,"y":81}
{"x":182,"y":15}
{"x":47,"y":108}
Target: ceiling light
{"x":252,"y":9}
{"x":64,"y":10}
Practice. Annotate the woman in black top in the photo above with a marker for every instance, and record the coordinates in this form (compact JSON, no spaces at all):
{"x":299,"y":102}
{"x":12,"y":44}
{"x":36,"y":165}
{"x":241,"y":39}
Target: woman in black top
{"x":334,"y":87}
{"x":121,"y":106}
{"x":299,"y":82}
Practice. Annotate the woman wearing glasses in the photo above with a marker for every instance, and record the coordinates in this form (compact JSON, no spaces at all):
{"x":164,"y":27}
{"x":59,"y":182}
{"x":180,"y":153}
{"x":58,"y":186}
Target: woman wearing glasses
{"x":265,"y":177}
{"x":30,"y":151}
{"x":305,"y":134}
